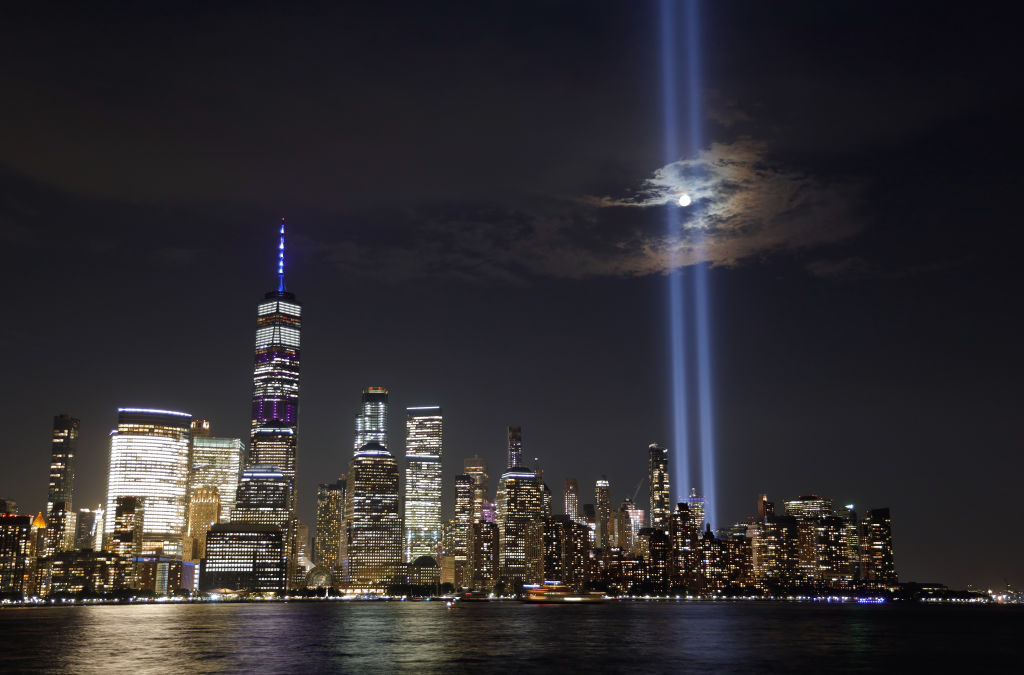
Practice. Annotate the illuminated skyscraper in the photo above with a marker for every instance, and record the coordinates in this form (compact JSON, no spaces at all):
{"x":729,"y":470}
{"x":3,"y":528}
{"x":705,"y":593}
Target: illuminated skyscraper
{"x":808,"y":510}
{"x":520,"y":528}
{"x":60,"y":532}
{"x":602,"y":514}
{"x":423,"y":447}
{"x":515,"y":447}
{"x":215,"y":464}
{"x":264,"y":497}
{"x":661,"y":501}
{"x":877,"y":567}
{"x":851,"y":535}
{"x":149,"y":461}
{"x":832,"y":555}
{"x":372,"y":418}
{"x":461,"y":528}
{"x":273,"y":439}
{"x":17,"y":551}
{"x":204,"y":510}
{"x":330,"y":510}
{"x":89,"y":522}
{"x":464,"y":499}
{"x":126,"y":539}
{"x":476,"y":469}
{"x":809,"y":507}
{"x":483,"y":555}
{"x":697,"y":505}
{"x":373,"y":524}
{"x":244,"y":556}
{"x":572,"y":500}
{"x":60,"y":516}
{"x":62,"y":460}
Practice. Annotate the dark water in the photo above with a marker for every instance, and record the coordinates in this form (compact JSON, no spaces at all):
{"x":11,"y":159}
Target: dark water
{"x":509,"y":637}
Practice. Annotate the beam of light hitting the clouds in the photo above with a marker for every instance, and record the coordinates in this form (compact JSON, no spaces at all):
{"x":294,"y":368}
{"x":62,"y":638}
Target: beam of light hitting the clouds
{"x":700,"y":285}
{"x":677,"y":332}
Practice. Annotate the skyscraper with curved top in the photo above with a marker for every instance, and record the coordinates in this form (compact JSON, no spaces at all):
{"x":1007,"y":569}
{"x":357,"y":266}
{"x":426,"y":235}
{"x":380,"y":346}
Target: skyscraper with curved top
{"x":275,"y":397}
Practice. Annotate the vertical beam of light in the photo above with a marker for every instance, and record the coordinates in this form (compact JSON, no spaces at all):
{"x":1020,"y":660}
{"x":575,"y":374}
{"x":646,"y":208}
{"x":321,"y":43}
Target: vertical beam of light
{"x":677,"y":335}
{"x":700,"y":285}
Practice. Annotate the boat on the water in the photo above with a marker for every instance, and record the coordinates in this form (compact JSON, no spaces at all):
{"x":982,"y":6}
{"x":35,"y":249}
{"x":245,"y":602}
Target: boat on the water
{"x":551,"y":593}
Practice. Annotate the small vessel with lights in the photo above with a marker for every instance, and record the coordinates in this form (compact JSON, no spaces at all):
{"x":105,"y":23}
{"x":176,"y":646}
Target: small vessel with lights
{"x":553,"y":592}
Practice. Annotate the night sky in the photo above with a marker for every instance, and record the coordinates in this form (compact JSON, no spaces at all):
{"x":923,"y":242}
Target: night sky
{"x":465,"y":188}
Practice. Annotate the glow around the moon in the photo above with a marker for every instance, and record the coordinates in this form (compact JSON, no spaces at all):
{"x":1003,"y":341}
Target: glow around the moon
{"x":684,"y":199}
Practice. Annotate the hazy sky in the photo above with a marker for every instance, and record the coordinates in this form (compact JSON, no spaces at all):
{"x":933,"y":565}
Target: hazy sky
{"x":475,"y":204}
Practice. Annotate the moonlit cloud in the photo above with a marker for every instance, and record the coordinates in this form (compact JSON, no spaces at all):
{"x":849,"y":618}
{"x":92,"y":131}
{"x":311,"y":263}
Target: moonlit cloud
{"x":745,"y":207}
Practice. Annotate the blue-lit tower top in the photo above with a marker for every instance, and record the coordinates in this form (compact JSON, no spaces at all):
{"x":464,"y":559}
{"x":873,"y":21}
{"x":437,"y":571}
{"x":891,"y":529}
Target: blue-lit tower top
{"x":275,"y":398}
{"x":280,"y":261}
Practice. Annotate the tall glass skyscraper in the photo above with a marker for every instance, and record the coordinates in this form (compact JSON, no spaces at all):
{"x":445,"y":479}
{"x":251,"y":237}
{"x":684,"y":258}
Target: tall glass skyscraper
{"x":373,"y":523}
{"x":275,"y":397}
{"x":661,"y":500}
{"x":372,"y":418}
{"x":264,"y":497}
{"x":520,"y":528}
{"x":515,"y":447}
{"x":330,"y":511}
{"x":423,"y":447}
{"x":476,"y":469}
{"x":572,"y":500}
{"x":62,"y":460}
{"x":215,"y":465}
{"x":61,"y":526}
{"x":602,"y":513}
{"x":149,"y":461}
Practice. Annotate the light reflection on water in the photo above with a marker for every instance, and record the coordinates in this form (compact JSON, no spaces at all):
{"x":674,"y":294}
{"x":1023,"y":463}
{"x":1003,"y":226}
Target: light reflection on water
{"x":419,"y":637}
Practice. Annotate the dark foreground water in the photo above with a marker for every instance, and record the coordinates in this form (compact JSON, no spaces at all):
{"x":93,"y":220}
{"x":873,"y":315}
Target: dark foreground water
{"x":508,"y":637}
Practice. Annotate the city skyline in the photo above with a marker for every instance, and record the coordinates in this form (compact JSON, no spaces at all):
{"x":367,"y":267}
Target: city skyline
{"x":476,"y":217}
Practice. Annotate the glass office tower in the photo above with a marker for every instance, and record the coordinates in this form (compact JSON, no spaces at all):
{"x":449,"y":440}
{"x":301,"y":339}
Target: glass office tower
{"x":149,"y":461}
{"x":424,"y":441}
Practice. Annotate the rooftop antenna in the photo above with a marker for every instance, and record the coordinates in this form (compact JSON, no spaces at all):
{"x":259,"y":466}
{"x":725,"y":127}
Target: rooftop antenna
{"x":280,"y":261}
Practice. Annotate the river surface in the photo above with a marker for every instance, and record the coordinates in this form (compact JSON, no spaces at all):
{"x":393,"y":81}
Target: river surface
{"x":308,"y":637}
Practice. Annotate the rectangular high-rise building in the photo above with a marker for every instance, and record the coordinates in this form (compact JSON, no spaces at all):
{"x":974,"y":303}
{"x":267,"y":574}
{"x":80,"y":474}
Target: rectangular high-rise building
{"x":878,"y":569}
{"x":424,"y":443}
{"x":373,"y":522}
{"x":572,"y":500}
{"x":515,"y":447}
{"x":244,"y":556}
{"x":16,"y":552}
{"x":149,"y":461}
{"x":203,"y":512}
{"x":372,"y":418}
{"x":330,"y":510}
{"x":476,"y":469}
{"x":661,"y":501}
{"x":602,"y":514}
{"x":460,"y":529}
{"x":86,"y":526}
{"x":60,"y":516}
{"x":264,"y":497}
{"x":62,"y":460}
{"x":520,"y":520}
{"x":216,"y":463}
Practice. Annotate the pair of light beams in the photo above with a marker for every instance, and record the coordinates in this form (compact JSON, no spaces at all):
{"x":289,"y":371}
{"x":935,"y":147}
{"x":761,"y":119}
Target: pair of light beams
{"x":694,"y":324}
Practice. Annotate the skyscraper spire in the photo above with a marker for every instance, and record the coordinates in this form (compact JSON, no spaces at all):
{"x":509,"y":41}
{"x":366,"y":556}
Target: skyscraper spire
{"x":280,"y":261}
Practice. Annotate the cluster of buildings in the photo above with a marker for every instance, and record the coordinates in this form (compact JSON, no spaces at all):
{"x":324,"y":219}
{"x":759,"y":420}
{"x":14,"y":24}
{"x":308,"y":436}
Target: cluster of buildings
{"x":190,"y":511}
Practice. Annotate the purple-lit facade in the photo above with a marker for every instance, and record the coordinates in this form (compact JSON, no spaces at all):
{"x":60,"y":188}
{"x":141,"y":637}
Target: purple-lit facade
{"x":275,"y":397}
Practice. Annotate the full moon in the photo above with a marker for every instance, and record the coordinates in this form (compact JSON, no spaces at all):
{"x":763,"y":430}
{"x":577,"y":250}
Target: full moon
{"x":684,"y":199}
